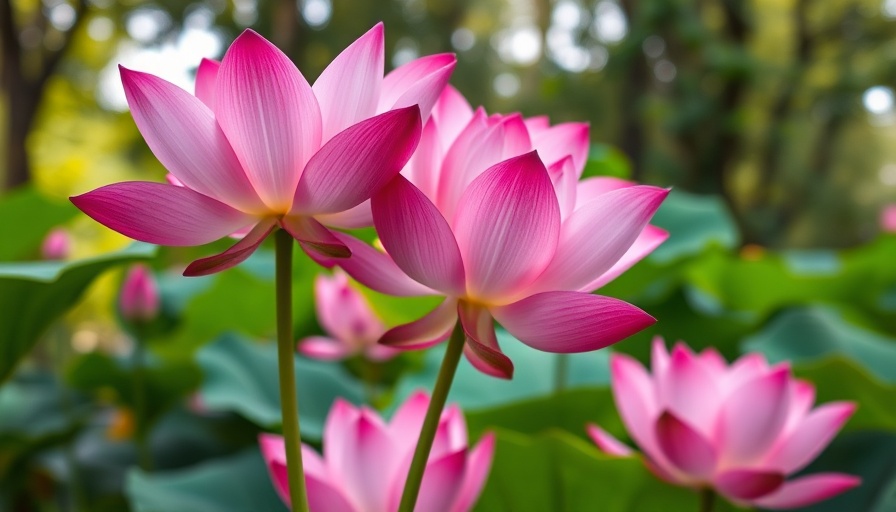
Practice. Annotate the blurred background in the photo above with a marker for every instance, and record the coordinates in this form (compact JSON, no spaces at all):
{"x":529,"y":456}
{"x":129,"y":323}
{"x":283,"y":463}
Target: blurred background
{"x":772,"y":120}
{"x":783,"y":108}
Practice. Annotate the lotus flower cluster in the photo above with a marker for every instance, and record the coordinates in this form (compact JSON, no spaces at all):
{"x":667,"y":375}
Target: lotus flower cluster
{"x":739,"y":429}
{"x":490,"y":214}
{"x":348,"y":318}
{"x":257,"y":147}
{"x":365,"y":461}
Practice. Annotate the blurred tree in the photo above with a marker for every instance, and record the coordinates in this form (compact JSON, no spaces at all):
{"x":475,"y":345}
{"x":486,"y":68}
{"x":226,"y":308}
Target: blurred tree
{"x":758,"y":101}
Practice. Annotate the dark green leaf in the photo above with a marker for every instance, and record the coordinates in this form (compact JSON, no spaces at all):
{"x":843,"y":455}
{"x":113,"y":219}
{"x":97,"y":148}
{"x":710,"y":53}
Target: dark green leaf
{"x":242,"y":376}
{"x":25,"y":218}
{"x":239,"y":483}
{"x":33,"y":295}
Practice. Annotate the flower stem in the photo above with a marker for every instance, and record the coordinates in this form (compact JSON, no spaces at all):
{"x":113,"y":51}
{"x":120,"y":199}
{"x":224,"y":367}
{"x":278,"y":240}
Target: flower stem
{"x":707,"y":499}
{"x":561,"y":372}
{"x":431,"y":422}
{"x":287,"y":368}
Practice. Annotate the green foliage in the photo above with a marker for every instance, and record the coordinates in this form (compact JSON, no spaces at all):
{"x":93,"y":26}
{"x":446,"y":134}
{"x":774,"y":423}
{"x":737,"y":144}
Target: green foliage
{"x":535,"y":375}
{"x":242,"y":376}
{"x":239,"y":483}
{"x":557,"y":472}
{"x":166,"y":382}
{"x":28,"y":216}
{"x":34,"y":294}
{"x":807,"y":334}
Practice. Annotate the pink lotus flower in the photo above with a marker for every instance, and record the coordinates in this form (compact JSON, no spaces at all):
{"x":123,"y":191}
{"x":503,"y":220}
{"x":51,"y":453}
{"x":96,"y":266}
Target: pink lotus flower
{"x":740,"y":430}
{"x":257,"y":147}
{"x":365,"y":461}
{"x":479,"y":218}
{"x":347,"y":317}
{"x":56,"y":245}
{"x":139,"y":300}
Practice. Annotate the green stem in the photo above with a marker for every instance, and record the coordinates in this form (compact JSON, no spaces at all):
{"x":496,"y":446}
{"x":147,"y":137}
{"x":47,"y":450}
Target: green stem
{"x":561,"y":370}
{"x":286,"y":362}
{"x":707,"y":499}
{"x":431,"y":422}
{"x":371,"y":372}
{"x":138,"y":374}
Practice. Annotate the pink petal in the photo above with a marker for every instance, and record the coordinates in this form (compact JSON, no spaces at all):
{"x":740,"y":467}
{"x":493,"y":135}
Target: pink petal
{"x":354,"y":218}
{"x":323,"y":495}
{"x":338,"y":428}
{"x":270,"y":116}
{"x":594,"y":187}
{"x":646,"y":243}
{"x":161,"y":214}
{"x":408,"y":419}
{"x":481,"y":347}
{"x":419,"y":82}
{"x":564,"y":139}
{"x":358,"y":162}
{"x":563,"y":176}
{"x":751,"y":418}
{"x":451,"y":433}
{"x":274,"y":453}
{"x":452,"y":112}
{"x":343,"y":312}
{"x":375,"y":269}
{"x":237,"y":253}
{"x":424,"y":166}
{"x":369,"y":462}
{"x":567,"y":322}
{"x":323,"y":348}
{"x":184,"y":136}
{"x":659,"y":358}
{"x":745,"y":368}
{"x":516,"y":136}
{"x":810,"y":437}
{"x":380,"y":352}
{"x":807,"y":490}
{"x":314,"y":237}
{"x":433,"y":328}
{"x":607,"y":442}
{"x":685,"y":447}
{"x":442,"y":479}
{"x":747,"y":484}
{"x":507,"y":226}
{"x":634,"y":394}
{"x":537,"y":125}
{"x":349,"y":88}
{"x":478,"y":147}
{"x":206,"y":76}
{"x":802,"y":398}
{"x":479,"y":463}
{"x":417,"y":237}
{"x":596,"y":236}
{"x":689,"y":390}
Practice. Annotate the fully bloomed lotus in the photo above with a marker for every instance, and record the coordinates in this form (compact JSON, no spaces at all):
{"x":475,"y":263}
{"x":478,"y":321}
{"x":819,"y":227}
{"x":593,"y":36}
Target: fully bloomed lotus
{"x":739,"y":430}
{"x":257,"y":147}
{"x":490,"y":213}
{"x":351,"y":325}
{"x":365,"y":461}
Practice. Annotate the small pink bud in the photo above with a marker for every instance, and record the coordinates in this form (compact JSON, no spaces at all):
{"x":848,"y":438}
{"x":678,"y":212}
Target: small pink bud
{"x":57,"y":245}
{"x":888,"y":218}
{"x":139,"y":300}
